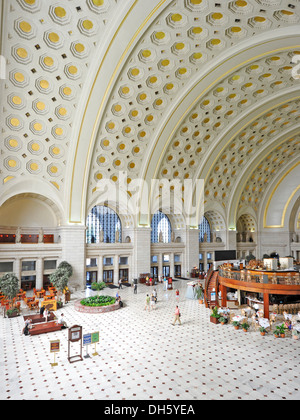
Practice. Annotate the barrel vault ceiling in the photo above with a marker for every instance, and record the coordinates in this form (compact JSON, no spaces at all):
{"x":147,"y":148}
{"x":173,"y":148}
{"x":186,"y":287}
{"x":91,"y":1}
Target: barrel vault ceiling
{"x":237,"y":132}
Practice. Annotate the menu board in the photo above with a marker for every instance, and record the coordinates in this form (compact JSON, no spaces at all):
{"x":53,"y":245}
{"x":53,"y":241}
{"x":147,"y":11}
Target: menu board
{"x":55,"y":346}
{"x":75,"y":333}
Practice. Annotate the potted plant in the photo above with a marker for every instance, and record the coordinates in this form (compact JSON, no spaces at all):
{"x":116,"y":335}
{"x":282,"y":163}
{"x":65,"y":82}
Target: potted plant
{"x":236,"y":325}
{"x":9,"y":285}
{"x":263,"y":331}
{"x":199,"y":294}
{"x":60,"y":277}
{"x":295,"y":334}
{"x":12,"y":313}
{"x":214,"y":316}
{"x":279,"y":331}
{"x":223,"y":320}
{"x":245,"y":326}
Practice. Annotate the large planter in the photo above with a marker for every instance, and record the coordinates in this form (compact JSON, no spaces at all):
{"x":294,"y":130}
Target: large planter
{"x":13,"y":315}
{"x":95,"y":309}
{"x":296,"y":337}
{"x":214,"y":320}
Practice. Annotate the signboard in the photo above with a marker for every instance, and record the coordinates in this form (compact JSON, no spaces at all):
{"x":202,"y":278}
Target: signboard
{"x":95,"y":337}
{"x":54,"y":348}
{"x":95,"y":340}
{"x":87,"y":339}
{"x":75,"y":334}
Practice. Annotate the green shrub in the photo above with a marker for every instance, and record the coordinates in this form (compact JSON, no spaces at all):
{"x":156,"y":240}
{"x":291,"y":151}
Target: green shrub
{"x":98,"y":286}
{"x":98,"y":301}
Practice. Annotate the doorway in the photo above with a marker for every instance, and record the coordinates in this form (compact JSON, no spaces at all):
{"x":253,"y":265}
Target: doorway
{"x":108,"y":276}
{"x":166,"y":271}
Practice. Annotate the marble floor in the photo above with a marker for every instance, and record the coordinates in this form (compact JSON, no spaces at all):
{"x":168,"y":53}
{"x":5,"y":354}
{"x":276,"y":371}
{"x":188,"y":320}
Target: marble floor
{"x":142,"y":356}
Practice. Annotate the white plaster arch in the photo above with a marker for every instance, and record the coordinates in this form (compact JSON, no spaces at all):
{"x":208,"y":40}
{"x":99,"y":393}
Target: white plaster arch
{"x":233,"y":210}
{"x":38,"y":189}
{"x":102,"y":78}
{"x":275,"y":209}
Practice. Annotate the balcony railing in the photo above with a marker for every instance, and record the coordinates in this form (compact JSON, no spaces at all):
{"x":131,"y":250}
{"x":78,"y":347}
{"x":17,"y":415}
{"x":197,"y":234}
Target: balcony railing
{"x":289,"y":278}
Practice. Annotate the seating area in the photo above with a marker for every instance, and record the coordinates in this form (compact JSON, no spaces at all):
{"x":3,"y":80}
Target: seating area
{"x":29,"y":300}
{"x":256,"y":321}
{"x":45,"y":328}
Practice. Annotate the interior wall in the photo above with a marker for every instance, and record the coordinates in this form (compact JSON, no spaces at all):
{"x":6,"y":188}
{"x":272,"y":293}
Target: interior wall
{"x":27,"y":212}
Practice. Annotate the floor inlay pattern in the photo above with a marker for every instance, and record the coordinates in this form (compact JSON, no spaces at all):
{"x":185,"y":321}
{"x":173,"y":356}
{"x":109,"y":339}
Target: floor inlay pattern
{"x":142,"y":356}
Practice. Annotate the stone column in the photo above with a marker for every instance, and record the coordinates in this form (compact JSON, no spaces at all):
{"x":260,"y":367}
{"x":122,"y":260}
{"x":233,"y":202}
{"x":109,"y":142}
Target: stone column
{"x":39,"y":268}
{"x":172,"y":264}
{"x":160,"y":265}
{"x":191,"y":258}
{"x":100,"y":268}
{"x":18,"y":269}
{"x":116,"y":269}
{"x":141,"y":252}
{"x":74,"y":252}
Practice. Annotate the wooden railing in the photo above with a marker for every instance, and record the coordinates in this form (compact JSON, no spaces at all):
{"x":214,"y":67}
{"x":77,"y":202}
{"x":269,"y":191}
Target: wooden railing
{"x":206,"y":285}
{"x":288,"y":278}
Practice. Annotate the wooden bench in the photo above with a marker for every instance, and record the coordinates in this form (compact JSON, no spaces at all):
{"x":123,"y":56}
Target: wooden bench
{"x":45,"y":328}
{"x":38,"y":319}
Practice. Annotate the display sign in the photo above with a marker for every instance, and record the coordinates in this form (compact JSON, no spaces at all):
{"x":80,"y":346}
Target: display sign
{"x":87,"y":339}
{"x":75,"y":335}
{"x":95,"y":337}
{"x":54,"y":348}
{"x":95,"y":340}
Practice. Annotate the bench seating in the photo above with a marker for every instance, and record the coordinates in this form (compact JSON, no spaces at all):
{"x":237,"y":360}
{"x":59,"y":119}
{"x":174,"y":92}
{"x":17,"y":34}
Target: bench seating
{"x":37,"y":319}
{"x":45,"y":328}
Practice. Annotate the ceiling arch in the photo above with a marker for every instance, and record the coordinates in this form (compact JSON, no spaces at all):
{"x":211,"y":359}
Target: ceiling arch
{"x":136,"y":149}
{"x":186,"y":151}
{"x":259,"y":173}
{"x":98,"y":88}
{"x":282,"y":195}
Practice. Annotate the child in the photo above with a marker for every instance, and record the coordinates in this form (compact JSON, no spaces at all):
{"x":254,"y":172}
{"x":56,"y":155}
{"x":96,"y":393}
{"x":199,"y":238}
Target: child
{"x":177,"y":294}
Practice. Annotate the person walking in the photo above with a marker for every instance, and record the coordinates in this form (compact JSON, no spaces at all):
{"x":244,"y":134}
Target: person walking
{"x":135,"y":288}
{"x":177,"y":316}
{"x":155,"y":295}
{"x":147,"y":303}
{"x":152,"y":302}
{"x":120,"y":284}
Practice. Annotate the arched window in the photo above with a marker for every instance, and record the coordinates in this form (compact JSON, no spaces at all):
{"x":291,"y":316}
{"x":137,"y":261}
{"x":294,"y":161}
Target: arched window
{"x":204,"y":230}
{"x":103,"y":225}
{"x":161,"y":228}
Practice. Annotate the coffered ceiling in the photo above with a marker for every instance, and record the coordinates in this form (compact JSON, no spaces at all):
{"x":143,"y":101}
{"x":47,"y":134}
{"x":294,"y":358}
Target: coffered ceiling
{"x":240,"y":125}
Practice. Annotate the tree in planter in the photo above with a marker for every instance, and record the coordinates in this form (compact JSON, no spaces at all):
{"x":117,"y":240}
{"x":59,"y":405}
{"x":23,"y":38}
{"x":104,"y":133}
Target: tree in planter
{"x":61,"y":276}
{"x":66,"y":266}
{"x":98,"y":286}
{"x":9,"y":285}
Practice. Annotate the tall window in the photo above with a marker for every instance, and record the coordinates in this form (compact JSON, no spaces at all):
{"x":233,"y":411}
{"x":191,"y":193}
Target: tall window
{"x":161,"y":228}
{"x":103,"y":225}
{"x":204,"y":230}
